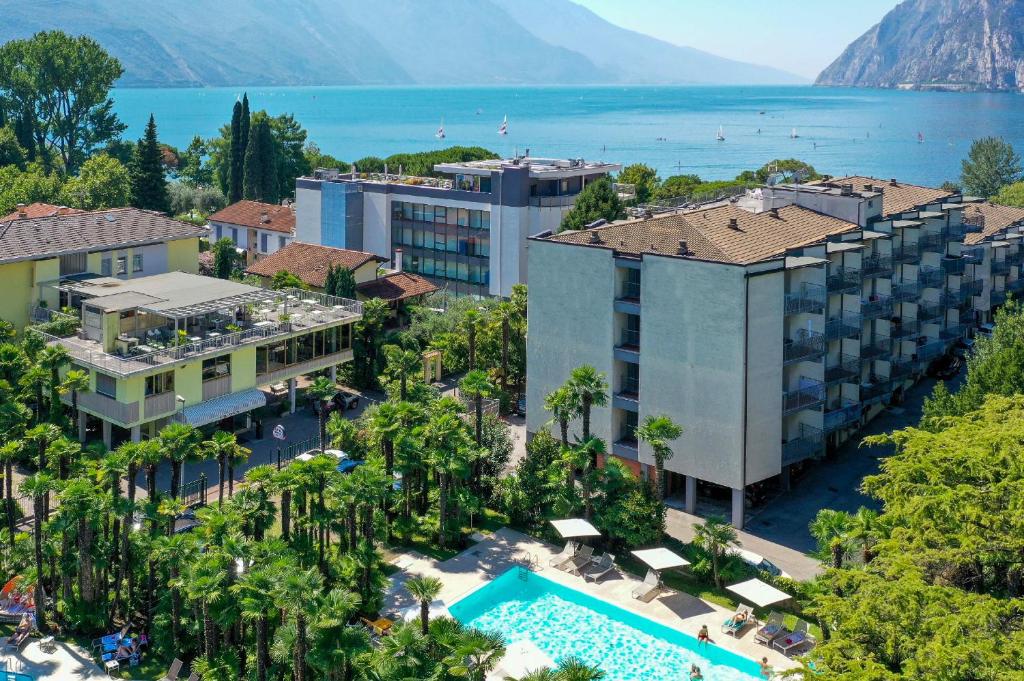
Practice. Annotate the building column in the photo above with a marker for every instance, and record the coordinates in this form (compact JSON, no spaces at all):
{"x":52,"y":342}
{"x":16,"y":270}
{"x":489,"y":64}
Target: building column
{"x":136,"y":433}
{"x":334,"y":373}
{"x":83,"y":420}
{"x":738,"y":501}
{"x":107,"y":435}
{"x":690,"y":494}
{"x":291,"y":395}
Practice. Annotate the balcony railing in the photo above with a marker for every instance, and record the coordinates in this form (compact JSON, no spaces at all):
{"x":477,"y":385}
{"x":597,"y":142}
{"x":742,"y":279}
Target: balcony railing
{"x":630,"y":338}
{"x":872,"y":391}
{"x":805,"y":346}
{"x":215,"y":387}
{"x":1000,"y":267}
{"x":1017,"y":285}
{"x":931,"y":277}
{"x":842,"y":414}
{"x":906,"y":291}
{"x":845,"y":370}
{"x":956,"y":232}
{"x":907,"y":252}
{"x":905,"y":329}
{"x":973,"y":255}
{"x":974,"y":287}
{"x":1015,"y":258}
{"x":930,"y":311}
{"x":900,"y":368}
{"x":629,"y":387}
{"x":123,"y":413}
{"x":810,"y":395}
{"x":880,"y":347}
{"x":997,"y":297}
{"x":842,"y":279}
{"x":809,"y":298}
{"x":805,"y":446}
{"x":876,"y":307}
{"x":630,"y":290}
{"x":845,"y":325}
{"x":932,"y":242}
{"x":159,"y":405}
{"x":953,"y":332}
{"x":931,"y":350}
{"x":876,"y":266}
{"x":953,"y":265}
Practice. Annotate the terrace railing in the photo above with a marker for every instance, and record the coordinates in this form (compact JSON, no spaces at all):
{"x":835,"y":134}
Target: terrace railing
{"x":906,"y":253}
{"x":876,"y":307}
{"x":953,"y":265}
{"x":877,"y":266}
{"x":906,"y":291}
{"x":929,"y":311}
{"x":905,"y":329}
{"x":845,"y":369}
{"x":810,"y":395}
{"x":842,"y":414}
{"x":931,"y":277}
{"x":804,"y":346}
{"x":843,"y":326}
{"x":879,"y":347}
{"x":932,"y":241}
{"x":809,"y":298}
{"x":842,"y":279}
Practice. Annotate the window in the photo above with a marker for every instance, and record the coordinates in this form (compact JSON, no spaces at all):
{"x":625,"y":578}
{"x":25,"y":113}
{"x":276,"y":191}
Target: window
{"x":485,"y":184}
{"x":72,"y":264}
{"x":630,"y":422}
{"x":122,"y":264}
{"x":234,"y":235}
{"x":105,"y":266}
{"x":137,"y":262}
{"x":264,"y":238}
{"x":106,"y":385}
{"x":463,"y":217}
{"x":216,"y":367}
{"x":281,"y":241}
{"x":160,"y":383}
{"x":440,"y":214}
{"x":219,"y":231}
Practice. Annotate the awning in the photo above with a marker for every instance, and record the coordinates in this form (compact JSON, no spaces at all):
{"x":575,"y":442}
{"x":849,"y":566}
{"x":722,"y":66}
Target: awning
{"x":222,"y":407}
{"x":661,"y":559}
{"x":757,"y":592}
{"x":574,"y":528}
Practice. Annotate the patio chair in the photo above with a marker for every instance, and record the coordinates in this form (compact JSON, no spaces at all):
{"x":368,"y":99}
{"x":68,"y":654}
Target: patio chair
{"x":564,"y":556}
{"x":599,"y":568}
{"x":789,"y":641}
{"x":579,"y":560}
{"x":649,"y":588}
{"x":173,"y":671}
{"x":738,"y":622}
{"x":771,"y":629}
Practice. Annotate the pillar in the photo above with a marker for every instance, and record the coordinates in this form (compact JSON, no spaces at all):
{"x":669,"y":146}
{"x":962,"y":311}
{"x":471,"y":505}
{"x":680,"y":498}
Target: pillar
{"x":334,"y":373}
{"x":83,"y":420}
{"x":690,"y":494}
{"x":738,"y":500}
{"x":107,"y":436}
{"x":291,"y":395}
{"x":136,"y":433}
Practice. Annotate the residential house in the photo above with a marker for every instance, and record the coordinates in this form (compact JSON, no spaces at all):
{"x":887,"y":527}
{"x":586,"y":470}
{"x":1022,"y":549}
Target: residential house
{"x":257,"y":229}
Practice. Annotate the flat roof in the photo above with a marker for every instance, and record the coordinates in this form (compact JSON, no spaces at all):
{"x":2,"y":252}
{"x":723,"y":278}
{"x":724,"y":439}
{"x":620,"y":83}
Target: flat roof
{"x":172,"y":294}
{"x":539,"y":167}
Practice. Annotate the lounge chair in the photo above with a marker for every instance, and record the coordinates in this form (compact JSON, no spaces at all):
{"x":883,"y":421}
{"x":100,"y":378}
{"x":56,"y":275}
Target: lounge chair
{"x":789,"y":641}
{"x":599,"y":568}
{"x":564,"y":556}
{"x":739,"y":621}
{"x":649,"y":588}
{"x":18,"y":638}
{"x":173,"y":671}
{"x":771,"y":629}
{"x":579,"y":560}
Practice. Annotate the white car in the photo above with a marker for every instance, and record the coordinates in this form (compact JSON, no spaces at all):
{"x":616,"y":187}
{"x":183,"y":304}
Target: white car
{"x":759,"y":562}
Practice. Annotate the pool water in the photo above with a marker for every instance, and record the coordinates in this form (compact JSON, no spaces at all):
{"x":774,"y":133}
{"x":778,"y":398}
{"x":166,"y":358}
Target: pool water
{"x":564,"y":622}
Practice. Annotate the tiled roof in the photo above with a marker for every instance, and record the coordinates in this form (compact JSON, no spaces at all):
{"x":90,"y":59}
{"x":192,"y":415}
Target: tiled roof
{"x":397,"y":286}
{"x":31,"y":238}
{"x":709,"y":235}
{"x":310,"y":262}
{"x":993,"y":218}
{"x":897,"y":197}
{"x":258,"y":215}
{"x":39,"y":210}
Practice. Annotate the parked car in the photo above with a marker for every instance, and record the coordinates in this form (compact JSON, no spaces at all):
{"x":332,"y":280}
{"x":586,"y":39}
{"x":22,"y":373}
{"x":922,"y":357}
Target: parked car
{"x":759,"y":562}
{"x":345,"y":464}
{"x":340,"y":401}
{"x":945,"y":367}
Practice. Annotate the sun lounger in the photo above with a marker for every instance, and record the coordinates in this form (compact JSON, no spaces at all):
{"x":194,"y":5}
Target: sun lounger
{"x":564,"y":556}
{"x":193,"y":677}
{"x":599,"y":567}
{"x":579,"y":560}
{"x":738,"y":622}
{"x":649,"y":588}
{"x":173,"y":670}
{"x":771,"y":629}
{"x":790,"y":641}
{"x":18,"y":638}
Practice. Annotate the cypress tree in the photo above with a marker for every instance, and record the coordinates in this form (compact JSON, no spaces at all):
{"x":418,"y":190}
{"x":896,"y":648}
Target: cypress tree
{"x":331,"y":282}
{"x":149,"y":181}
{"x":244,"y":123}
{"x":346,"y":284}
{"x":237,"y":155}
{"x":260,"y":176}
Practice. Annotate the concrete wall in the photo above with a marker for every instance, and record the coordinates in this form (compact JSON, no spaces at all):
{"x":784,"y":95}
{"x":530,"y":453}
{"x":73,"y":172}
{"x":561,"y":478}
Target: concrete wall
{"x":570,"y":323}
{"x":765,"y":314}
{"x":377,"y":224}
{"x":307,"y":213}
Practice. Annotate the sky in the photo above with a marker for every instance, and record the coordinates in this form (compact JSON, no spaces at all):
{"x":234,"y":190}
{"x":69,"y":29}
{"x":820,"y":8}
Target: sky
{"x":799,"y":36}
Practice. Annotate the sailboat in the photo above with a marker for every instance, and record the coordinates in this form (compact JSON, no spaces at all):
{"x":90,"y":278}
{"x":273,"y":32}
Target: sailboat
{"x":503,"y":128}
{"x":721,"y":134}
{"x":793,"y":135}
{"x":440,"y":131}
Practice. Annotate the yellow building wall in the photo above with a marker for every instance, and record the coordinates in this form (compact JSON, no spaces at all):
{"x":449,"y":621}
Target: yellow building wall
{"x":188,"y":382}
{"x":243,"y":369}
{"x":368,"y":272}
{"x":131,"y":389}
{"x":46,"y":270}
{"x":17,"y":279}
{"x":183,"y":255}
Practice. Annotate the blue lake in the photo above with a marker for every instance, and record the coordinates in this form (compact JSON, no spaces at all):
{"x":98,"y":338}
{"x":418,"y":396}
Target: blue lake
{"x":840,"y":131}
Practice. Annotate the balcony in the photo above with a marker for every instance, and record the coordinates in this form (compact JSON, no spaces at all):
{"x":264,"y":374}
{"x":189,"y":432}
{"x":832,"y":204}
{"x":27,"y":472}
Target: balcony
{"x":931,"y":277}
{"x":842,"y":280}
{"x":953,"y":332}
{"x":956,"y":232}
{"x":878,"y":389}
{"x":805,"y":346}
{"x":1000,"y":267}
{"x":876,"y":266}
{"x":900,"y":368}
{"x":107,"y":408}
{"x":630,"y":291}
{"x":845,"y":370}
{"x":156,"y":406}
{"x":846,"y":325}
{"x":973,"y":287}
{"x":810,"y":395}
{"x":997,"y":297}
{"x":276,"y":374}
{"x":906,"y":291}
{"x":905,"y":329}
{"x":1016,"y":286}
{"x":841,"y":414}
{"x":906,"y":253}
{"x":1015,"y":258}
{"x":930,"y":312}
{"x":953,"y":265}
{"x":931,"y":350}
{"x":626,"y":447}
{"x":805,"y":446}
{"x":932,"y":242}
{"x":879,"y":348}
{"x":809,"y":298}
{"x":215,"y":387}
{"x":876,"y":307}
{"x":973,"y":255}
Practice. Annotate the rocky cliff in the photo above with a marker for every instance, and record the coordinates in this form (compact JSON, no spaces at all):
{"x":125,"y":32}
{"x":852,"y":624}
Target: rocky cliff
{"x":938,"y":44}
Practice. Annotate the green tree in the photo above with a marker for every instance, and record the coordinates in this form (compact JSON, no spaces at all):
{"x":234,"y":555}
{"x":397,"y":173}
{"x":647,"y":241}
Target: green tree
{"x":597,"y":201}
{"x":643,"y":177}
{"x":289,"y":139}
{"x":225,"y":258}
{"x":1010,"y":195}
{"x":345,"y":286}
{"x":317,"y":159}
{"x":990,"y":165}
{"x":678,"y":185}
{"x":192,"y":168}
{"x":149,"y":180}
{"x":11,"y":151}
{"x":64,"y":81}
{"x":588,"y":389}
{"x":235,"y":161}
{"x":101,"y":183}
{"x":260,"y":182}
{"x":424,"y":590}
{"x":285,"y":279}
{"x":28,"y":186}
{"x":831,"y":530}
{"x":476,"y":386}
{"x":321,"y":390}
{"x":658,"y":431}
{"x":786,"y":166}
{"x":715,"y":536}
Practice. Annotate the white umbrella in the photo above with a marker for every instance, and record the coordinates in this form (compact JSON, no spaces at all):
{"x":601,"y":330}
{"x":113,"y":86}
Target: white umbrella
{"x":660,"y":559}
{"x":574,"y":528}
{"x":523,"y":657}
{"x":437,"y":609}
{"x":758,"y":593}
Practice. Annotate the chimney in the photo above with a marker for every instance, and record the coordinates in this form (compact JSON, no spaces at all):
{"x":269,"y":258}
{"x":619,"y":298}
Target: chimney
{"x":264,"y":218}
{"x":774,"y":212}
{"x":734,"y":223}
{"x":22,"y":213}
{"x":595,"y":237}
{"x":683,"y":250}
{"x":892,"y":182}
{"x":398,"y":260}
{"x":868,"y":188}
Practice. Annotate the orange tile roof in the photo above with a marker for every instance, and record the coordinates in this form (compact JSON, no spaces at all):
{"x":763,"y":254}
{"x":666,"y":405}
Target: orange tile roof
{"x":310,"y":262}
{"x":397,"y":286}
{"x":993,"y":218}
{"x":39,"y":210}
{"x":258,"y":215}
{"x":709,"y":235}
{"x":897,"y":197}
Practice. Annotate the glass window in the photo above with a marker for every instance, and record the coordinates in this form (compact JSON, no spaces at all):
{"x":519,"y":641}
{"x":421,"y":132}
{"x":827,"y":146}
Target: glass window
{"x":474,"y":219}
{"x":485,"y":219}
{"x":484,"y":246}
{"x":396,"y":210}
{"x":428,"y":266}
{"x":452,"y":245}
{"x":215,"y":367}
{"x":417,"y":211}
{"x":428,"y":213}
{"x":485,"y":184}
{"x":137,"y":262}
{"x":106,"y":267}
{"x":122,"y":264}
{"x":406,"y":210}
{"x":264,"y":242}
{"x":452,"y":270}
{"x":234,"y":236}
{"x":463,"y":217}
{"x":440,"y":213}
{"x":463,"y":271}
{"x":160,"y":383}
{"x":428,"y":239}
{"x":485,"y":275}
{"x":346,"y":337}
{"x":106,"y":385}
{"x":281,"y":241}
{"x":407,"y":236}
{"x":474,"y":274}
{"x":417,"y":238}
{"x":219,"y":232}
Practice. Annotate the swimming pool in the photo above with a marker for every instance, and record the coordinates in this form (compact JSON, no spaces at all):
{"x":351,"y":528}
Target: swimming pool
{"x":564,"y":622}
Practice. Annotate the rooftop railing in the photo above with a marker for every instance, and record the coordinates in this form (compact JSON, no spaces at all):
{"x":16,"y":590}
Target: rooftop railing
{"x":808,"y":298}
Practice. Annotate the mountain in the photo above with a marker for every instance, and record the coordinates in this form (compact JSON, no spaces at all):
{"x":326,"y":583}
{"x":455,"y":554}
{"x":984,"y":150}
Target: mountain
{"x":205,"y":43}
{"x":938,"y":44}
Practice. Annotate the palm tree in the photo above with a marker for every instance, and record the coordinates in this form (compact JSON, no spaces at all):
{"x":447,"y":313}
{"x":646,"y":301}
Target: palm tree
{"x":178,"y":442}
{"x":254,"y":591}
{"x":472,"y":320}
{"x":225,"y":448}
{"x":386,"y":424}
{"x":53,"y":358}
{"x":831,"y":530}
{"x":76,"y":381}
{"x":175,"y":552}
{"x":38,"y":486}
{"x":575,"y":669}
{"x":293,"y":596}
{"x":865,"y":528}
{"x":424,"y":590}
{"x":658,"y":431}
{"x":9,"y":452}
{"x":505,"y":314}
{"x":336,"y":645}
{"x":477,"y":386}
{"x":715,"y":536}
{"x":321,"y":390}
{"x":476,"y":654}
{"x":42,"y":435}
{"x":562,"y":406}
{"x":442,"y":436}
{"x":586,"y":453}
{"x":401,"y":364}
{"x":34,"y":380}
{"x":369,"y":329}
{"x":589,"y":389}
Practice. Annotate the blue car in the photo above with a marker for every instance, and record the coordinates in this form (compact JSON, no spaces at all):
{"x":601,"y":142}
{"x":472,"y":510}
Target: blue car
{"x":349,"y":465}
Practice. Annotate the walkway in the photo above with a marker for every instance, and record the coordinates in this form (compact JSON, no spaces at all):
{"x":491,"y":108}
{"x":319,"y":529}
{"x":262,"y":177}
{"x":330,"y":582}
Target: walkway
{"x":67,"y":662}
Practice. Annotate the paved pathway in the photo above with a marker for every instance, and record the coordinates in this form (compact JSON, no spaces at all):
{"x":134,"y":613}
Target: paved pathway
{"x":67,"y":662}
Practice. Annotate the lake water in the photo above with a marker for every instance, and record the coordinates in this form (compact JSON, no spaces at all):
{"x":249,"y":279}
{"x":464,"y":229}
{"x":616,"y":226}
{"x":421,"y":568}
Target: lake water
{"x":840,"y":131}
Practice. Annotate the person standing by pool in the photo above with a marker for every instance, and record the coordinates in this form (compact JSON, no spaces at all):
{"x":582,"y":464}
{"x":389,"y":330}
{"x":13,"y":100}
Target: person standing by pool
{"x":703,"y":637}
{"x":766,"y":669}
